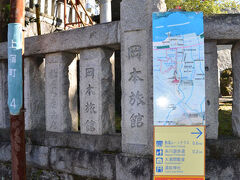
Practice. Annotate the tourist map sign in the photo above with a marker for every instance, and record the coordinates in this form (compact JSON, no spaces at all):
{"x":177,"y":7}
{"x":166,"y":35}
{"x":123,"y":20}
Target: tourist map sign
{"x":179,"y":96}
{"x":179,"y":151}
{"x":15,"y":86}
{"x":178,"y":68}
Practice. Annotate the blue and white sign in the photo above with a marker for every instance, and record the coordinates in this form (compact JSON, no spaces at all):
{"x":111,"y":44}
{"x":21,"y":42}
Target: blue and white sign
{"x":178,"y":68}
{"x":15,"y":79}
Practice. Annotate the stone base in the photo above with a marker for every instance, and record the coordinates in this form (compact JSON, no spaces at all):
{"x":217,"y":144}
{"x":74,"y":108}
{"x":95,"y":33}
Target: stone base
{"x":49,"y":156}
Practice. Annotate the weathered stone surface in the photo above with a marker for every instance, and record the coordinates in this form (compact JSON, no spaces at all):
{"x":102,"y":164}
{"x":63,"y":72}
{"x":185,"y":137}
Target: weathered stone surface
{"x":4,"y":111}
{"x":224,"y":57}
{"x":105,"y":11}
{"x":222,"y":27}
{"x":61,"y":114}
{"x":236,"y":89}
{"x":222,"y":169}
{"x":84,"y":163}
{"x":41,"y":174}
{"x":134,"y":168}
{"x":36,"y":173}
{"x":5,"y":135}
{"x":112,"y":104}
{"x":3,"y":51}
{"x":73,"y":94}
{"x":5,"y":171}
{"x":133,"y":15}
{"x":135,"y":120}
{"x":108,"y":143}
{"x":223,"y":148}
{"x":136,"y":65}
{"x":34,"y":93}
{"x":37,"y":155}
{"x":96,"y":91}
{"x":73,"y":40}
{"x":212,"y":90}
{"x":5,"y":151}
{"x":222,"y":162}
{"x":86,"y":142}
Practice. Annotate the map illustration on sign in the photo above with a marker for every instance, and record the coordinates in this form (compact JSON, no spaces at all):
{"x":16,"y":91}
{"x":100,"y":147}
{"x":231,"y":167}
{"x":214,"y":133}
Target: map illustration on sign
{"x":178,"y":68}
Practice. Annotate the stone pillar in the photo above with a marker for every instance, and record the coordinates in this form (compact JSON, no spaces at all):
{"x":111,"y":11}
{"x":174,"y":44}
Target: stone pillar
{"x":236,"y":89}
{"x":61,"y":92}
{"x":27,"y":3}
{"x":49,"y":7}
{"x":112,"y":105}
{"x":61,"y":11}
{"x":4,"y":111}
{"x":105,"y":11}
{"x":137,"y":80}
{"x":68,"y":13}
{"x":42,"y":6}
{"x":54,"y":9}
{"x":212,"y":91}
{"x":34,"y":93}
{"x":96,"y":92}
{"x":73,"y":94}
{"x":73,"y":15}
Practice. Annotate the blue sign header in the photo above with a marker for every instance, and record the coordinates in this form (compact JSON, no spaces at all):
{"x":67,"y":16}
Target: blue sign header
{"x":178,"y":23}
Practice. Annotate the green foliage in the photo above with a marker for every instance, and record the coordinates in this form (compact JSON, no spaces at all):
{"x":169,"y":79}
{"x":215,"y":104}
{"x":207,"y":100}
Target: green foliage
{"x":206,"y":6}
{"x":118,"y":122}
{"x":225,"y":120}
{"x":226,"y":82}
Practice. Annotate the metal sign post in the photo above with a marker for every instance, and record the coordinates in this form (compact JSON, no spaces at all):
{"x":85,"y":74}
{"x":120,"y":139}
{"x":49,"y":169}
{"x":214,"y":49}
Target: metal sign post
{"x":15,"y":88}
{"x":179,"y":96}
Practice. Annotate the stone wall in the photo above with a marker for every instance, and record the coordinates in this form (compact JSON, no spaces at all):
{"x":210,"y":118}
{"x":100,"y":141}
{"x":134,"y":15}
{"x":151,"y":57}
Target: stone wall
{"x":224,"y":57}
{"x":73,"y":156}
{"x":69,"y":99}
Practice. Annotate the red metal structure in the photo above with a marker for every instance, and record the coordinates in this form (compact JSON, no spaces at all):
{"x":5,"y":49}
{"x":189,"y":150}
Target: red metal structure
{"x":76,"y":4}
{"x":17,"y":121}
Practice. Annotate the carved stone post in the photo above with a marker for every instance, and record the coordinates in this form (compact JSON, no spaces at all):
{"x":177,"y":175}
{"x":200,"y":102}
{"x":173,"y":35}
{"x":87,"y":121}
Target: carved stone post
{"x":137,"y":93}
{"x":49,"y":7}
{"x":236,"y":89}
{"x":105,"y":11}
{"x":42,"y":6}
{"x":34,"y":93}
{"x":27,"y":3}
{"x":96,"y":92}
{"x":4,"y":112}
{"x":61,"y":10}
{"x":61,"y":92}
{"x":212,"y":91}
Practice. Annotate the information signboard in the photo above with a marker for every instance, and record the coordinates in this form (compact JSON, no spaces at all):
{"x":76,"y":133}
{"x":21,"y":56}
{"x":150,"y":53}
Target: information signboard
{"x":178,"y":68}
{"x":179,"y":150}
{"x":15,"y":80}
{"x":179,"y":96}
